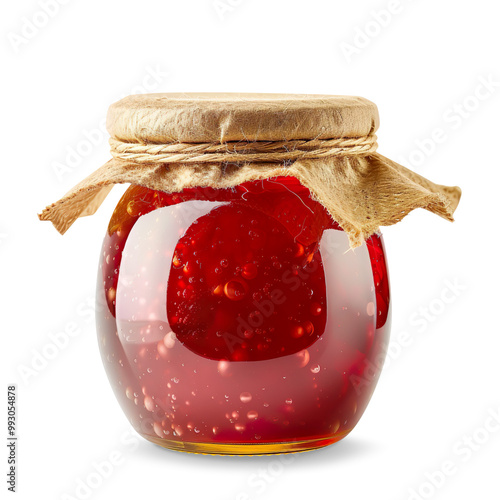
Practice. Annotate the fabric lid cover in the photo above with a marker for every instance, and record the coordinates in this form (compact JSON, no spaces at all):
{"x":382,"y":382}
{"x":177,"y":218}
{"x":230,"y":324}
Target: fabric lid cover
{"x":170,"y":142}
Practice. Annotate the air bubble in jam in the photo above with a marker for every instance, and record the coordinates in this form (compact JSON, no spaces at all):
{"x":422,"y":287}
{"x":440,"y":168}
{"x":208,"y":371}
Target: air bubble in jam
{"x":245,"y":397}
{"x":248,"y":303}
{"x":235,"y":290}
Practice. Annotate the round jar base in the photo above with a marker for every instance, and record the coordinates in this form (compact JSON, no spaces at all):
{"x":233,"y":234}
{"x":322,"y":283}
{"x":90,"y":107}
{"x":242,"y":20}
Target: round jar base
{"x":245,"y":449}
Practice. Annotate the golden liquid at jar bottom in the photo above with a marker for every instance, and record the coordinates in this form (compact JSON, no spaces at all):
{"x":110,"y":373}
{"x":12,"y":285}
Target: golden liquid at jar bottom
{"x":245,"y":449}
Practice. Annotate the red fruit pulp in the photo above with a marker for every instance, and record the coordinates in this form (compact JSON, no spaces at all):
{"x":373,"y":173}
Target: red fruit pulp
{"x":240,"y":315}
{"x":225,"y":297}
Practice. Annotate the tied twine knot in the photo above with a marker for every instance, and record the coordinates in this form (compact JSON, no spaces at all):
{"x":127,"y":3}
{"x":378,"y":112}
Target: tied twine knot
{"x":242,"y":151}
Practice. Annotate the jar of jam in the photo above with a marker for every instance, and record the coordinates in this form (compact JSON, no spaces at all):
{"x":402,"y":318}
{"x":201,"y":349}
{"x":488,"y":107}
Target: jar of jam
{"x":247,"y":294}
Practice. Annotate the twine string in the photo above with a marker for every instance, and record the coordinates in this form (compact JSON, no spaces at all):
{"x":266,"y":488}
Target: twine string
{"x":242,"y":151}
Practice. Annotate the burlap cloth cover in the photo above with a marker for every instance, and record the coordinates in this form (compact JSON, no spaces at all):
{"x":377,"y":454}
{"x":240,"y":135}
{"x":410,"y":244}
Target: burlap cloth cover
{"x":169,"y":142}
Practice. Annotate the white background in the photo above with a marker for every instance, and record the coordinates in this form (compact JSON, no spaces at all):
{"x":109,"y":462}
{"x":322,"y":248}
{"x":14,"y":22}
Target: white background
{"x":422,"y":64}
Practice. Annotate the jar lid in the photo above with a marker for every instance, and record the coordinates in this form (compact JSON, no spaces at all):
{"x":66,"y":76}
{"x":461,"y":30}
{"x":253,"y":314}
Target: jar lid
{"x":170,"y":142}
{"x":225,"y":117}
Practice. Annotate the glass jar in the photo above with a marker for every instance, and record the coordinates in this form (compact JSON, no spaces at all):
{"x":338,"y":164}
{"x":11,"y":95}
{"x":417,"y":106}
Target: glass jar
{"x":239,"y":321}
{"x":246,"y":316}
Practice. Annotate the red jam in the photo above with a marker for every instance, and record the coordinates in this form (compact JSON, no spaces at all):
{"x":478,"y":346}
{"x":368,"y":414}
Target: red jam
{"x":238,"y":320}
